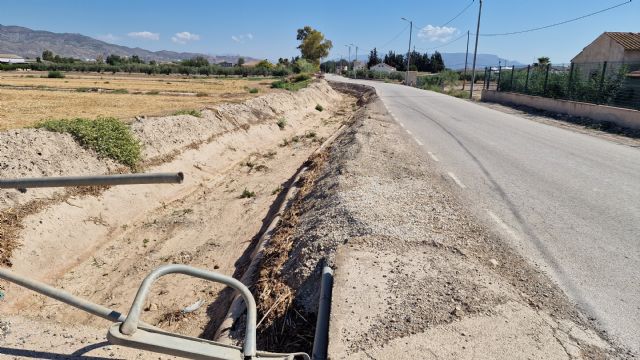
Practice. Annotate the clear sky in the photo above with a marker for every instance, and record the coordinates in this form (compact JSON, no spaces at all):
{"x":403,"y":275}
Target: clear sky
{"x":268,"y":29}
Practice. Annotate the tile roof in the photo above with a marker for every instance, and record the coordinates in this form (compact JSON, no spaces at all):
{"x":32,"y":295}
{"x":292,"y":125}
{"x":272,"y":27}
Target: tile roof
{"x":628,"y":40}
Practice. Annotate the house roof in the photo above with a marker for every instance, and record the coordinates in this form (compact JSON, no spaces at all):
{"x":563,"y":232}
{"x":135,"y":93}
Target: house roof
{"x":628,"y":40}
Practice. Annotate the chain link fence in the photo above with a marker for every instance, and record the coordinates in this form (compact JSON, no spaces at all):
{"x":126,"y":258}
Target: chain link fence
{"x":605,"y":83}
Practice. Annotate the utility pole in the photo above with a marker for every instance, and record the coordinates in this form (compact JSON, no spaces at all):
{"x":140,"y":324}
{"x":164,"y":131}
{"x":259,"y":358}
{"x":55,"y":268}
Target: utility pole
{"x":466,"y":57}
{"x":475,"y":52}
{"x":355,"y":73}
{"x":349,"y":63}
{"x":406,"y":80}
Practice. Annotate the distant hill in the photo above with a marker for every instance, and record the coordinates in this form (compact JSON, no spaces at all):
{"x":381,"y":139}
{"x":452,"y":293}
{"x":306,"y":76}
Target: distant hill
{"x":31,"y":43}
{"x":455,"y":61}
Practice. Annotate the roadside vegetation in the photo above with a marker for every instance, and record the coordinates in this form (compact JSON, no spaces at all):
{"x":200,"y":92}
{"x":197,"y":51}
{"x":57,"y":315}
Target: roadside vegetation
{"x":108,"y":137}
{"x":192,"y":112}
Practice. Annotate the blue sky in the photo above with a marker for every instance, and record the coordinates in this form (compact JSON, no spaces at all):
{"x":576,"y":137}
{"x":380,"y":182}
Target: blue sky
{"x":268,"y":29}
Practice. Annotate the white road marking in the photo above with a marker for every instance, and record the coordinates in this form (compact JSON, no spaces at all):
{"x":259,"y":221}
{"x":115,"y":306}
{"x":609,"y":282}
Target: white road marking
{"x":455,"y":178}
{"x":433,"y":156}
{"x":503,"y":225}
{"x":418,"y":141}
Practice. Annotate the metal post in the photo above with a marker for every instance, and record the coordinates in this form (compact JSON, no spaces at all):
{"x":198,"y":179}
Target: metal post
{"x":569,"y":85}
{"x":489,"y":77}
{"x":466,"y":57}
{"x":499,"y":77}
{"x":601,"y":87}
{"x":355,"y":72}
{"x":406,"y":80}
{"x":546,"y":79}
{"x":513,"y":70}
{"x":484,"y":81}
{"x":475,"y":52}
{"x":526,"y":83}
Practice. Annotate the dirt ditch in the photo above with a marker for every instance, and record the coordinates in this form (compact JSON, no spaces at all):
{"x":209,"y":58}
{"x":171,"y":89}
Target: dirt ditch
{"x":100,"y":246}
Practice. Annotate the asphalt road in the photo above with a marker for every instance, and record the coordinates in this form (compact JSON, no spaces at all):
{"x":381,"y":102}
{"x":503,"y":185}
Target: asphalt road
{"x":568,"y":201}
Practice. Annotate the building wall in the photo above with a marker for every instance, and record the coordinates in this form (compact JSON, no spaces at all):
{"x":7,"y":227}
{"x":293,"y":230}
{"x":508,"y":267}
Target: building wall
{"x":621,"y":116}
{"x":602,"y":49}
{"x":383,"y":69}
{"x":632,"y":56}
{"x":11,"y":61}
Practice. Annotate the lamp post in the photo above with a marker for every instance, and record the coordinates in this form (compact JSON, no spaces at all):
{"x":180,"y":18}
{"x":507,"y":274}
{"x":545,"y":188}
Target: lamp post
{"x":406,"y":80}
{"x":349,"y":63}
{"x":475,"y":53}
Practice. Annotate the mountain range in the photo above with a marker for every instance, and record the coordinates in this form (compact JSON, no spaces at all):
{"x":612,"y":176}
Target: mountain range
{"x":31,"y":43}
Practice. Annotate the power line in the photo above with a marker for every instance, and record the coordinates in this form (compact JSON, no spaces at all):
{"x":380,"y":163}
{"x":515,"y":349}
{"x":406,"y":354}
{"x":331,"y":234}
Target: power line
{"x":559,"y":23}
{"x":383,"y":47}
{"x":458,"y":15}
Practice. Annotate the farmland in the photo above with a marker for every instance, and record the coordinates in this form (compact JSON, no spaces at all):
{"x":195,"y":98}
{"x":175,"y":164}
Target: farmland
{"x":28,"y":97}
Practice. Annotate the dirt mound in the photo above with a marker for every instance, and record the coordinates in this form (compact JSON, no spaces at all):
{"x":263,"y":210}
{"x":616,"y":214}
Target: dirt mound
{"x":412,"y":264}
{"x":163,"y":136}
{"x":34,"y":153}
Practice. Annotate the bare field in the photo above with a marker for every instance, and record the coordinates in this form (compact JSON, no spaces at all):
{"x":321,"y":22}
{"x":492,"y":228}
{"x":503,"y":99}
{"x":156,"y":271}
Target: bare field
{"x":26,"y":98}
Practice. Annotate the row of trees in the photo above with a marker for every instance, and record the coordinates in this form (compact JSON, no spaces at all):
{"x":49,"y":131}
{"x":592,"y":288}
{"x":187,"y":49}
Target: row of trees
{"x":419,"y":62}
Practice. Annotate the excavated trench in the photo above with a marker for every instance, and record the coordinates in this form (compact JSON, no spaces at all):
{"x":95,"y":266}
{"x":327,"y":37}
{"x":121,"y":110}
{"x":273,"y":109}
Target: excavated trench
{"x":99,"y":245}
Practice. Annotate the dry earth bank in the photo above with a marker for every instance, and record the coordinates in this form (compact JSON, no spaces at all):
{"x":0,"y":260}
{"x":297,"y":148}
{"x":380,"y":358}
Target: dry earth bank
{"x":100,"y":246}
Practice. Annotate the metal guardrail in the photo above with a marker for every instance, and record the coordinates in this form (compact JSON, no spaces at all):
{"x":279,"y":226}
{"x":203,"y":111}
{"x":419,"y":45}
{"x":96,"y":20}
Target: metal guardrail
{"x":100,"y":180}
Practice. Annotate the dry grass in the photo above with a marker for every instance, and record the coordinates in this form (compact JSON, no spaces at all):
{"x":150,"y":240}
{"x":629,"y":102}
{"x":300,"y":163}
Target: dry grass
{"x":26,"y":100}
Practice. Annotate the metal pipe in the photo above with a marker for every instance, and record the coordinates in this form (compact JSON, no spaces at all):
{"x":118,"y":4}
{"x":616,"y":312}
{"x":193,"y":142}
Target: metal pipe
{"x":321,"y":338}
{"x":100,"y":180}
{"x":63,"y":296}
{"x":130,"y":324}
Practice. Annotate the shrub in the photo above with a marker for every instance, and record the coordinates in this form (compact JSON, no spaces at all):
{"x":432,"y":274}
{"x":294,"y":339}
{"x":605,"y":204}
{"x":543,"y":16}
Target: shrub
{"x":310,"y":134}
{"x":153,"y":92}
{"x":301,"y":77}
{"x":246,"y":194}
{"x":120,"y":91}
{"x":192,"y":112}
{"x":282,"y":122}
{"x":202,"y":94}
{"x":108,"y":137}
{"x":254,"y":90}
{"x":319,"y":107}
{"x":55,"y":74}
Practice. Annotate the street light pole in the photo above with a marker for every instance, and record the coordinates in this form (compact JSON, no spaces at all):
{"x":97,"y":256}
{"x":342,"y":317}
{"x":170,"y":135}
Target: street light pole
{"x":475,"y":53}
{"x":349,"y":63}
{"x":406,"y":80}
{"x":466,"y":57}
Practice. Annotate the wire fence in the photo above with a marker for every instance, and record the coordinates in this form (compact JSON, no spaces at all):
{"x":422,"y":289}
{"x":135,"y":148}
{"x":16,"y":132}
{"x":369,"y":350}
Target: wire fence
{"x":605,"y":83}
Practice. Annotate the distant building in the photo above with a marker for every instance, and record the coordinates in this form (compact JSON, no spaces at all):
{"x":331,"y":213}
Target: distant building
{"x":382,"y":67}
{"x":11,"y":59}
{"x":358,"y":65}
{"x":611,"y":47}
{"x":225,"y":64}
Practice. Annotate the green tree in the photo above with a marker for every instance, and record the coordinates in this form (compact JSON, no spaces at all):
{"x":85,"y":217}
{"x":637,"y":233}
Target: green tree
{"x":543,"y":61}
{"x":437,"y":64}
{"x":47,"y":55}
{"x":313,"y":45}
{"x":373,"y":58}
{"x":264,"y":64}
{"x":240,"y":61}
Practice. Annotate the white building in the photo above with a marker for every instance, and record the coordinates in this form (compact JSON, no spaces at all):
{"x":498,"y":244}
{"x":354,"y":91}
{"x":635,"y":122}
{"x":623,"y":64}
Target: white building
{"x":11,"y":59}
{"x":382,"y":67}
{"x":358,"y":65}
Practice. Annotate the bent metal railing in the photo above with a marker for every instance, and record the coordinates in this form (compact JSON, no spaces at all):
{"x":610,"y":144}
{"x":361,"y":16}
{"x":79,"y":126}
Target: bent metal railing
{"x":128,"y":330}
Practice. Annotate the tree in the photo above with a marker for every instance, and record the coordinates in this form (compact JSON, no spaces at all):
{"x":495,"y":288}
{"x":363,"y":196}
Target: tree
{"x":240,"y":61}
{"x":437,"y":64}
{"x":313,"y":45}
{"x":47,"y":55}
{"x":264,"y":64}
{"x":100,"y":59}
{"x":196,"y":61}
{"x":373,"y":58}
{"x":542,"y":63}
